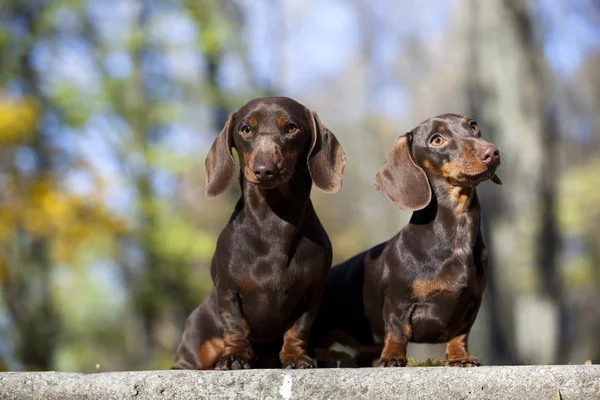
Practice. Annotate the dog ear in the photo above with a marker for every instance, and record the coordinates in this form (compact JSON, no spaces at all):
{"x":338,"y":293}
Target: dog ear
{"x":402,"y":181}
{"x":326,"y":158}
{"x":219,"y":163}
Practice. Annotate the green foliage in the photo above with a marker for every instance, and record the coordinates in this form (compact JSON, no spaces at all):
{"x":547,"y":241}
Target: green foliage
{"x":93,"y":320}
{"x":579,"y":218}
{"x":167,"y":274}
{"x":67,"y":97}
{"x":172,"y":162}
{"x":579,"y":206}
{"x":175,"y":239}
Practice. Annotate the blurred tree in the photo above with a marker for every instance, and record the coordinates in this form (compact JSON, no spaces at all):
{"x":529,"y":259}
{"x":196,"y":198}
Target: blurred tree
{"x":41,"y":222}
{"x":511,"y":91}
{"x":120,"y":99}
{"x":165,"y":241}
{"x":579,"y":203}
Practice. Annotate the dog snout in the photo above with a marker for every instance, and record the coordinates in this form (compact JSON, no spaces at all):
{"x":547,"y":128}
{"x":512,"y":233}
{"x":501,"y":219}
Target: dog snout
{"x":265,"y":168}
{"x":489,"y":155}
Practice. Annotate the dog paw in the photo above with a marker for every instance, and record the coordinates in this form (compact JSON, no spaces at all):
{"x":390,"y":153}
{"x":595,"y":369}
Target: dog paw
{"x":233,"y":361}
{"x":463,"y":362}
{"x":392,"y":362}
{"x":296,"y":361}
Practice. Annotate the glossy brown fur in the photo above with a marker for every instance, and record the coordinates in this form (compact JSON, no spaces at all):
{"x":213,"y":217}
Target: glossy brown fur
{"x":426,"y":283}
{"x":272,"y":258}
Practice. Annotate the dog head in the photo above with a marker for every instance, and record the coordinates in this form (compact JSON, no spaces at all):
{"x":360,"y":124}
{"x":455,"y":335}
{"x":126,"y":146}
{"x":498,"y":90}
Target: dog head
{"x":275,"y":137}
{"x":448,"y":148}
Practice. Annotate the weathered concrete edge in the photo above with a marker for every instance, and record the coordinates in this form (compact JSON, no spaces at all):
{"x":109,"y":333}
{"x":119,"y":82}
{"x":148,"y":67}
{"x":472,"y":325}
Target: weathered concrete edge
{"x":523,"y":382}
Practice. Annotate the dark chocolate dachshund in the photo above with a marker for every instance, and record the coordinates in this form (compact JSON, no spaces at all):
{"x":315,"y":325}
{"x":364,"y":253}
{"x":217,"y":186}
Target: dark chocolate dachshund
{"x":272,"y":258}
{"x":426,"y":283}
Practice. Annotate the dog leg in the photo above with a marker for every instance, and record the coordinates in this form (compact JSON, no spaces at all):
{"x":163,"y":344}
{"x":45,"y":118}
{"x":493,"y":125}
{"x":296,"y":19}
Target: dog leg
{"x":398,"y":332}
{"x":457,"y":353}
{"x":295,"y":340}
{"x":236,"y":352}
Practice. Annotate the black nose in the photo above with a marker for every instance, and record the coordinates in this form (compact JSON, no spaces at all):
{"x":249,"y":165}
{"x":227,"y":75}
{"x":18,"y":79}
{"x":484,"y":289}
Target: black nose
{"x":265,"y":170}
{"x":489,"y":154}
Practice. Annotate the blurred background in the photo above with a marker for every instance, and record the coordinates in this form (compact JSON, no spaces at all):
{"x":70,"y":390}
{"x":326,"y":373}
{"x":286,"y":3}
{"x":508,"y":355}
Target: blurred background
{"x":108,"y":107}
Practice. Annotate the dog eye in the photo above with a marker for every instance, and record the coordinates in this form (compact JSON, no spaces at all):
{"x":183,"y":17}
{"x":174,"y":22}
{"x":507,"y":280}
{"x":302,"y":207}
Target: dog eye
{"x":246,"y":130}
{"x":474,"y":127}
{"x":437,"y":140}
{"x":291,"y":128}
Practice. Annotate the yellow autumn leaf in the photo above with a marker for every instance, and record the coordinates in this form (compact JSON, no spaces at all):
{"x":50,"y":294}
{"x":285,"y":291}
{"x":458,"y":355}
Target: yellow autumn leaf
{"x":67,"y":221}
{"x":18,"y":119}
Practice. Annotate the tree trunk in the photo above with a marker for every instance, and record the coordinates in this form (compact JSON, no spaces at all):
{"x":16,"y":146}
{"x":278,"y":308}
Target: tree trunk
{"x":509,"y":93}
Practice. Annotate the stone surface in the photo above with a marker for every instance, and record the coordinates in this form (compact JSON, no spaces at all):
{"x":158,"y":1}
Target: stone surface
{"x":527,"y":382}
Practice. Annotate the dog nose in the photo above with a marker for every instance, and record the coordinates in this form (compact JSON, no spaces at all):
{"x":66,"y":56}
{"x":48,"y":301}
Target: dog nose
{"x":489,"y":154}
{"x":265,"y":170}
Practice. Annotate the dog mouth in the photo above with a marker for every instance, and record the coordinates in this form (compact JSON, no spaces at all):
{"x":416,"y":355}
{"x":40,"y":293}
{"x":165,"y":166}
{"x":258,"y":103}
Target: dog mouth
{"x":270,"y":183}
{"x":489,"y":160}
{"x":489,"y":174}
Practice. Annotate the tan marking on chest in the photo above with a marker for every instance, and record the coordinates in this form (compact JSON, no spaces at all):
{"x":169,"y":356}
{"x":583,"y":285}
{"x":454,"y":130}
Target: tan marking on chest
{"x":425,"y":288}
{"x":461,"y":198}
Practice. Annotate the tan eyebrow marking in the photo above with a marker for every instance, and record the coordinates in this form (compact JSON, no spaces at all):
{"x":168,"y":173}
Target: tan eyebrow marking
{"x":281,"y":121}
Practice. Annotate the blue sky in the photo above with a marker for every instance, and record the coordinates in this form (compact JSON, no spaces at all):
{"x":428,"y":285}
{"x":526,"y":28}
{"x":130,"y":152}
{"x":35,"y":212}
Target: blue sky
{"x":570,"y":37}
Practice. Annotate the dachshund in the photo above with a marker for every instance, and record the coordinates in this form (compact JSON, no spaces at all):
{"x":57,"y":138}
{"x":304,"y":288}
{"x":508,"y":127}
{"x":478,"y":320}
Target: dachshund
{"x":272,"y":258}
{"x":425,"y":284}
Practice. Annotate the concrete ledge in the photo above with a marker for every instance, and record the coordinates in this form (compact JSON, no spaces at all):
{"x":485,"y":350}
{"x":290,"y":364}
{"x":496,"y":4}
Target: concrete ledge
{"x":527,"y":382}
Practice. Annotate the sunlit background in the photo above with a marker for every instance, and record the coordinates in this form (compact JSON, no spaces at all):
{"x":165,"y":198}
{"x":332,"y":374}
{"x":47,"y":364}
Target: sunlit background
{"x":107,"y":109}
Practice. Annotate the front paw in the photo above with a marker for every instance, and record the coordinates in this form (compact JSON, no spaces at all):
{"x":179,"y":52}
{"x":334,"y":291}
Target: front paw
{"x":296,"y":361}
{"x":392,"y":361}
{"x":233,"y":361}
{"x":463,"y":362}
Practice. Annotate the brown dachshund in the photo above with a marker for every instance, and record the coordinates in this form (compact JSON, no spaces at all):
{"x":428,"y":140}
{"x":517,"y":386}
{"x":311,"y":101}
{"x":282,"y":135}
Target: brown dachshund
{"x":272,"y":258}
{"x":426,"y":283}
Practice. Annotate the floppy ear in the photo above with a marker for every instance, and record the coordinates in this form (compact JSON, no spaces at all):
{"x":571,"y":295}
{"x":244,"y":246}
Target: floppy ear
{"x":326,"y":158}
{"x":402,"y":181}
{"x":219,"y":163}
